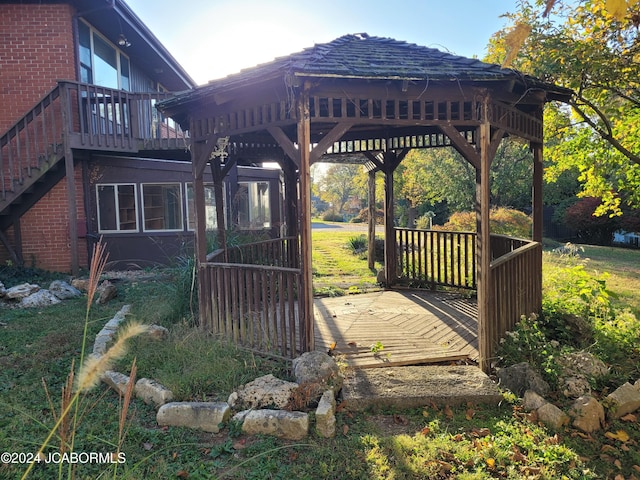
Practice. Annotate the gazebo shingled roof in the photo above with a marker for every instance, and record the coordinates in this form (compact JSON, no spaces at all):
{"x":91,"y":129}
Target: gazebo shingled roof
{"x":378,"y":98}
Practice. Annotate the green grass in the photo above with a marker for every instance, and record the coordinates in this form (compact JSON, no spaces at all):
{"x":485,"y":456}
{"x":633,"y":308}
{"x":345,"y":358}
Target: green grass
{"x":336,"y":270}
{"x":466,"y":442}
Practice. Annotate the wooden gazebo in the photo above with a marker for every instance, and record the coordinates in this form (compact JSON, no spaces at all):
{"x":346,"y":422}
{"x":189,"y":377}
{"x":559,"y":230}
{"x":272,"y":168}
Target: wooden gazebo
{"x":375,"y":98}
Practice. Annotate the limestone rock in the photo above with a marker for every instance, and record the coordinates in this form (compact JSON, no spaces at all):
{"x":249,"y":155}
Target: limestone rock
{"x":587,"y":414}
{"x":116,"y":380}
{"x":326,"y":415}
{"x":206,"y":416}
{"x":41,"y":298}
{"x":20,"y":291}
{"x":317,"y":368}
{"x":625,"y":399}
{"x":532,"y":401}
{"x":156,"y":332}
{"x":106,"y":291}
{"x":279,"y":423}
{"x":522,"y":377}
{"x":152,"y":393}
{"x":552,"y":416}
{"x":266,"y":391}
{"x":3,"y":291}
{"x":81,"y":284}
{"x":582,"y":364}
{"x":63,"y":290}
{"x":574,"y":387}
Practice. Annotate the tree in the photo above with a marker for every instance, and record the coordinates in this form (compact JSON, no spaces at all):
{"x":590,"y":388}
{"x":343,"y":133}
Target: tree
{"x":337,"y":185}
{"x":592,"y":47}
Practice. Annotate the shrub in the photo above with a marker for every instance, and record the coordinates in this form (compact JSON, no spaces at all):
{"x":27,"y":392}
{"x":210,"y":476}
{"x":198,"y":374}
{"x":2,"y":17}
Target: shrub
{"x":358,"y":244}
{"x":503,"y":221}
{"x":332,"y":216}
{"x":591,"y":229}
{"x":363,"y":216}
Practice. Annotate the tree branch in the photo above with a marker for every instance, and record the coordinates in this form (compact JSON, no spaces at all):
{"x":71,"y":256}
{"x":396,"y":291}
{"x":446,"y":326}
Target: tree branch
{"x":605,"y":133}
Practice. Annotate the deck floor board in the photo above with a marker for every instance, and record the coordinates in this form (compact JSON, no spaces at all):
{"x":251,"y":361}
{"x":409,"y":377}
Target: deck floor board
{"x":413,"y":327}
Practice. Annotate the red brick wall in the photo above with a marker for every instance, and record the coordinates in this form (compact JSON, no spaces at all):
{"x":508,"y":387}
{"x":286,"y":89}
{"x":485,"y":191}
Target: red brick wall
{"x":45,"y":230}
{"x":36,"y":50}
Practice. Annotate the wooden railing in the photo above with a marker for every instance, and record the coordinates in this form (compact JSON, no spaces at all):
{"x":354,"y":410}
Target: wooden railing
{"x":88,"y":117}
{"x":281,"y":252}
{"x":515,"y":289}
{"x":430,"y":258}
{"x":252,"y":297}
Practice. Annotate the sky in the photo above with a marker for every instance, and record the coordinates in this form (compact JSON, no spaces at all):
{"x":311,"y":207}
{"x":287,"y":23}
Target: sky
{"x":215,"y":38}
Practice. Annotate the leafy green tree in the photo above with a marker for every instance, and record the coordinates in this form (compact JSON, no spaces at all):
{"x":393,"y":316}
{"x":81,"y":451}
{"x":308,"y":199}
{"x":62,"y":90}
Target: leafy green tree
{"x":337,"y":185}
{"x":592,"y":47}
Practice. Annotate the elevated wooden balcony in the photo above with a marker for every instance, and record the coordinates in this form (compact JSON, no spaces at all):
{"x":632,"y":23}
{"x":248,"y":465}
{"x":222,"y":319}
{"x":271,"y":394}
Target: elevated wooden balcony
{"x":78,"y":116}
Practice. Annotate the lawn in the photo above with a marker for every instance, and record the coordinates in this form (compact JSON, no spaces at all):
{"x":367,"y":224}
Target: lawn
{"x":467,"y":442}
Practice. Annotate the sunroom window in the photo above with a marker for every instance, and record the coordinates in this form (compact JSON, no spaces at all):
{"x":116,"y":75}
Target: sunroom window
{"x":211,"y":220}
{"x":253,"y":205}
{"x":117,"y":208}
{"x":162,"y":206}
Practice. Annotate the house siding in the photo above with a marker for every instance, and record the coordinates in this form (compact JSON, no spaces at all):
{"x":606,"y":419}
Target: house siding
{"x":36,"y":50}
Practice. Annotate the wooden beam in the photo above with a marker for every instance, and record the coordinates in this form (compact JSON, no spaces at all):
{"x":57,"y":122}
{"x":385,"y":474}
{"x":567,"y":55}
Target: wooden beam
{"x":12,"y":252}
{"x":198,"y":150}
{"x":483,"y":199}
{"x":390,"y":271}
{"x":306,"y":287}
{"x":461,"y":144}
{"x":538,"y":169}
{"x":287,"y":145}
{"x":373,"y":158}
{"x":371,"y":250}
{"x":328,"y":140}
{"x":218,"y":192}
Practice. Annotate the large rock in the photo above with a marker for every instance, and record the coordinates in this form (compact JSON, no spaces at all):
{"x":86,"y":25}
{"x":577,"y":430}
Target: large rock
{"x":205,"y":416}
{"x":532,"y":401}
{"x":625,"y":399}
{"x":552,"y":416}
{"x":63,"y":290}
{"x":326,"y":415}
{"x":81,"y":284}
{"x":153,"y":393}
{"x":106,"y":291}
{"x":522,"y":377}
{"x":263,"y":392}
{"x":278,"y":423}
{"x":104,"y":336}
{"x":574,"y":387}
{"x":20,"y":291}
{"x":116,"y":380}
{"x":317,"y":368}
{"x":41,"y":298}
{"x":157,"y":332}
{"x":587,"y":414}
{"x":582,"y":364}
{"x":3,"y":291}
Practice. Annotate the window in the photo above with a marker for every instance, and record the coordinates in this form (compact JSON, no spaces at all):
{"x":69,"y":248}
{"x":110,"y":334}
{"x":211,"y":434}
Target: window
{"x":209,"y":206}
{"x":117,"y":208}
{"x":253,"y":205}
{"x":100,"y":62}
{"x":162,"y":206}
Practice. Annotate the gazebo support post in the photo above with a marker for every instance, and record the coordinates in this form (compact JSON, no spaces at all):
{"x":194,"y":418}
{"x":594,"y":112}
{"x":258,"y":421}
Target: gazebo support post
{"x":483,"y":199}
{"x":218,"y":192}
{"x":537,"y":192}
{"x":371,"y":250}
{"x":306,"y":287}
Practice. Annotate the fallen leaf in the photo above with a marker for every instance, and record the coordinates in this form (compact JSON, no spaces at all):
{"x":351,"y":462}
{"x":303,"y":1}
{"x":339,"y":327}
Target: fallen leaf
{"x":352,"y":344}
{"x":332,"y":346}
{"x":425,"y":413}
{"x":491,"y":463}
{"x":624,"y":447}
{"x":425,"y":431}
{"x":240,"y":444}
{"x":636,"y":468}
{"x":147,"y":446}
{"x":458,"y":437}
{"x":629,"y":417}
{"x":448,"y":412}
{"x":480,"y":432}
{"x":618,"y":477}
{"x":470,"y":414}
{"x":174,"y":455}
{"x":400,"y":420}
{"x":182,"y":474}
{"x":293,"y":456}
{"x":618,"y":464}
{"x":620,"y":435}
{"x":345,"y":429}
{"x":518,"y":456}
{"x":608,"y":448}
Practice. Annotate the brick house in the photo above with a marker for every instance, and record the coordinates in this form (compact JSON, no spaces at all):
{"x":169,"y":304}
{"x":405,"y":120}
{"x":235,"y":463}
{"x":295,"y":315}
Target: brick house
{"x":83,"y":151}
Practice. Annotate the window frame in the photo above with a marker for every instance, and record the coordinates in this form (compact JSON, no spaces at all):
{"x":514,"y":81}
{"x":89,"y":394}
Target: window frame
{"x":250,"y":220}
{"x":189,"y":185}
{"x":117,"y":208}
{"x":181,"y":202}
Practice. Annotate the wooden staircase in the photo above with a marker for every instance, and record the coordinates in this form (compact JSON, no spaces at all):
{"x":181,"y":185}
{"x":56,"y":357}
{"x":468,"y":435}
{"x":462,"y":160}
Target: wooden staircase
{"x":76,"y":116}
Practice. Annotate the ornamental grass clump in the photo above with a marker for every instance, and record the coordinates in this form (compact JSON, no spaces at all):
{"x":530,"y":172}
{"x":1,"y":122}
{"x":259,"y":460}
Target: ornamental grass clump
{"x":78,"y":384}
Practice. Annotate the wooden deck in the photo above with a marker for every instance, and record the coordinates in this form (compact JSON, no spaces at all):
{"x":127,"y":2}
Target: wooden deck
{"x":413,"y":327}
